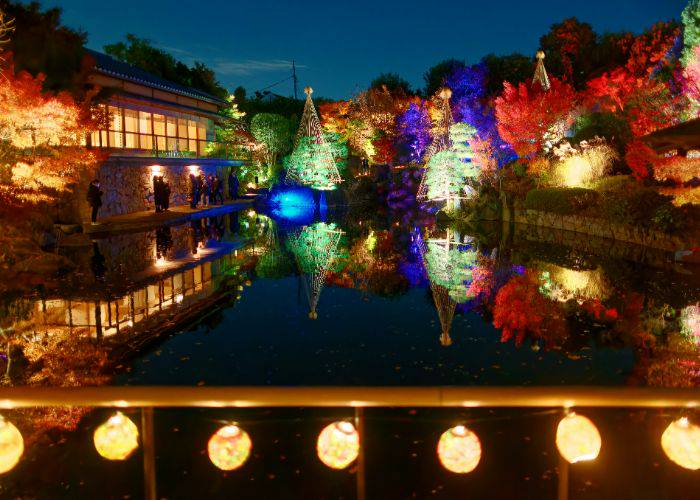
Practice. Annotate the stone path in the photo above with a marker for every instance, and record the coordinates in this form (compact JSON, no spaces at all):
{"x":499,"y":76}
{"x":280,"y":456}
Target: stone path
{"x":138,"y":221}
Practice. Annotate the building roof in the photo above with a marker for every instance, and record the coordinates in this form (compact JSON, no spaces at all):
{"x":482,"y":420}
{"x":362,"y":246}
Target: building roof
{"x":685,"y":136}
{"x":109,"y":66}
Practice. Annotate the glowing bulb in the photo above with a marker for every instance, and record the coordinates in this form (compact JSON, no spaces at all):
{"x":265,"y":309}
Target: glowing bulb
{"x":251,"y":213}
{"x":681,"y":443}
{"x":11,"y":445}
{"x":156,"y":169}
{"x":338,"y":445}
{"x":117,"y":438}
{"x":229,"y":447}
{"x":578,"y":438}
{"x":179,"y":298}
{"x":193,"y":169}
{"x":459,"y":450}
{"x":160,"y":262}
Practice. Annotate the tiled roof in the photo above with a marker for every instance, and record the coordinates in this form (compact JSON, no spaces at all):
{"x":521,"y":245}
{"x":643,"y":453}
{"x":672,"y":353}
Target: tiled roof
{"x":110,"y":66}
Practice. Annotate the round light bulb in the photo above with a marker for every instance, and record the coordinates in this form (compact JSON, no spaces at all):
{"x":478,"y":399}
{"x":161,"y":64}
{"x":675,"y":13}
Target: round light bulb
{"x":459,"y":450}
{"x":11,"y":445}
{"x":229,"y":447}
{"x":578,"y":438}
{"x":681,"y":443}
{"x":338,"y":445}
{"x":117,"y":438}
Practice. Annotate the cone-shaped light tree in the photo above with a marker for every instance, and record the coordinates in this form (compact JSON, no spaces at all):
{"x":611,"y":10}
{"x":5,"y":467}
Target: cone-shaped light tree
{"x":312,"y":163}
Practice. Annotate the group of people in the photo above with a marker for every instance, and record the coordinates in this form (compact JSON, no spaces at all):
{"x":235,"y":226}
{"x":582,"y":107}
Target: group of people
{"x":206,"y":190}
{"x":161,"y":193}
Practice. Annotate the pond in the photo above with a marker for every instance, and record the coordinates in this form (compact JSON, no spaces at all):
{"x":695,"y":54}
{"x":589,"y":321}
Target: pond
{"x":354,"y":298}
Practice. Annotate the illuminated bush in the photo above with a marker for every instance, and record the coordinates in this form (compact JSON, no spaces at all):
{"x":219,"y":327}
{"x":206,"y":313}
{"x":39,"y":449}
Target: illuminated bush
{"x":579,"y":166}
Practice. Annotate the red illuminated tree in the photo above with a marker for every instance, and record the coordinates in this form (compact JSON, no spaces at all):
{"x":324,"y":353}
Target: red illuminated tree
{"x":527,"y":115}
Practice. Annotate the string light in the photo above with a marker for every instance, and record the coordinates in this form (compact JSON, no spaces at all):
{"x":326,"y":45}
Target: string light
{"x":11,"y":445}
{"x":338,"y":445}
{"x":229,"y":447}
{"x":117,"y":438}
{"x":681,"y":443}
{"x":578,"y":439}
{"x":459,"y":450}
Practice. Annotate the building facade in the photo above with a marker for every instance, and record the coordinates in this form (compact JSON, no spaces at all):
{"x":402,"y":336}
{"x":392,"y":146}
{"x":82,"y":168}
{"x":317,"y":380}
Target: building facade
{"x":151,"y":126}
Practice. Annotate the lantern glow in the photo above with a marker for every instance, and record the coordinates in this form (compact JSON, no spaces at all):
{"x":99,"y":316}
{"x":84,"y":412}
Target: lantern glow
{"x":578,"y":439}
{"x":229,"y":447}
{"x":681,"y":443}
{"x":117,"y":438}
{"x":459,"y":450}
{"x":338,"y":445}
{"x":11,"y":445}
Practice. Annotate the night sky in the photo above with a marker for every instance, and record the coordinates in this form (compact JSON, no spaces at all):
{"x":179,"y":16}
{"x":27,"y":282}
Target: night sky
{"x":340,"y":46}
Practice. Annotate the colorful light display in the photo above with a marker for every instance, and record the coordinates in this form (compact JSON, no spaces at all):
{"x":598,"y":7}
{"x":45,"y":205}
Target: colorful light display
{"x":578,"y":439}
{"x":459,"y":450}
{"x":11,"y":445}
{"x":681,"y":443}
{"x":338,"y":445}
{"x":229,"y":447}
{"x":117,"y":438}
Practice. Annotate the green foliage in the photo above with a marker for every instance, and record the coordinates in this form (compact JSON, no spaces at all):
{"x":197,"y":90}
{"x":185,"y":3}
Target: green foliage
{"x":610,"y":126}
{"x":444,"y":175}
{"x":560,"y":200}
{"x":275,"y":132}
{"x":393,"y":83}
{"x":140,"y":53}
{"x":691,"y":29}
{"x":275,"y":263}
{"x":339,"y":150}
{"x":450,"y":268}
{"x":434,"y":78}
{"x":312,"y":162}
{"x":42,"y":44}
{"x":315,"y":247}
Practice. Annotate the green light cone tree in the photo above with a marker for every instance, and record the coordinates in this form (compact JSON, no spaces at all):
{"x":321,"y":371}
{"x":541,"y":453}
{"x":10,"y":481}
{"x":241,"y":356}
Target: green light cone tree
{"x":312,"y":163}
{"x":315,"y":249}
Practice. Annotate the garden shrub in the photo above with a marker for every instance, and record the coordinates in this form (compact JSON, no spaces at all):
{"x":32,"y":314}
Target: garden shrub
{"x":563,"y":201}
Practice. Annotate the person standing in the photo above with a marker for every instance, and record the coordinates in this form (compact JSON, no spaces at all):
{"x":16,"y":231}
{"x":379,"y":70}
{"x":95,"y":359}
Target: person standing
{"x":206,"y":191}
{"x":194,"y":192}
{"x":157,"y":193}
{"x":200,"y":188}
{"x":232,"y":185}
{"x":218,"y":190}
{"x":166,"y":194}
{"x":94,"y":198}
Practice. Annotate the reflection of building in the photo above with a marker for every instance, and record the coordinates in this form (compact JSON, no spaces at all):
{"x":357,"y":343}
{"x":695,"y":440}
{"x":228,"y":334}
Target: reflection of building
{"x":173,"y":286}
{"x":151,"y":125}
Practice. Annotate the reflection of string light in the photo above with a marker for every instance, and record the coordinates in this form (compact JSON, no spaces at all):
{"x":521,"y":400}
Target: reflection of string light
{"x":229,"y":447}
{"x":338,"y":445}
{"x":681,"y":443}
{"x":578,"y":438}
{"x":117,"y":438}
{"x":459,"y":450}
{"x":11,"y":445}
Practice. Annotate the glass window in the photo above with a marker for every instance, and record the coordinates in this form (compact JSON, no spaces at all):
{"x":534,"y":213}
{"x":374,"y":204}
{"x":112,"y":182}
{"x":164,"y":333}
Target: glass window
{"x":144,"y":122}
{"x":159,"y":124}
{"x":116,"y":139}
{"x":191,"y":129}
{"x":146,"y":141}
{"x":192,"y":145}
{"x":161,"y":143}
{"x":182,"y":127}
{"x":201,"y":131}
{"x":115,"y":119}
{"x":182,"y":144}
{"x":103,"y":136}
{"x":172,"y":127}
{"x":171,"y":143}
{"x":131,"y":140}
{"x":131,"y":120}
{"x":95,"y":138}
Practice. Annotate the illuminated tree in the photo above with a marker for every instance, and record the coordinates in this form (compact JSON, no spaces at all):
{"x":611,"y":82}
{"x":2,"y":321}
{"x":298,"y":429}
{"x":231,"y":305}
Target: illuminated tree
{"x":312,"y":163}
{"x":529,"y":116}
{"x":41,"y":136}
{"x":273,"y":132}
{"x":413,"y":132}
{"x":569,"y":45}
{"x":691,"y":30}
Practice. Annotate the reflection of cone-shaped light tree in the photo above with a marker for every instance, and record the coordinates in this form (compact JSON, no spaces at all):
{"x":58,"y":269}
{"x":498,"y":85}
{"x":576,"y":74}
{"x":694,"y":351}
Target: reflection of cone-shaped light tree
{"x":315,"y":248}
{"x":449,"y":265}
{"x":274,"y":261}
{"x":312,"y":163}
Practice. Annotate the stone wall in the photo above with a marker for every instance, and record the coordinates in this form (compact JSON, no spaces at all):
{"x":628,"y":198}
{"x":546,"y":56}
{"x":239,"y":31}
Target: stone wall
{"x":603,"y":229}
{"x":127,"y":182}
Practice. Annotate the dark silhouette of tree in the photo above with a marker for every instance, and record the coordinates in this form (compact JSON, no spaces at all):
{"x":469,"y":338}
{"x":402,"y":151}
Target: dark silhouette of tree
{"x":569,"y":46}
{"x":513,"y":68}
{"x":393,"y":83}
{"x":435,"y":76}
{"x":141,"y":53}
{"x":41,"y":44}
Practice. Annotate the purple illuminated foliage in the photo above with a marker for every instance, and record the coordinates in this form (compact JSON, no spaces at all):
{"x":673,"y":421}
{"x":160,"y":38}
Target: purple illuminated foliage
{"x":413,"y":136}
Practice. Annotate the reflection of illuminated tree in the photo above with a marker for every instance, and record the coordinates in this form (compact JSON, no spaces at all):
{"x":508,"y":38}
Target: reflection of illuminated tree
{"x":520,"y":309}
{"x":315,"y":249}
{"x":448,"y":264}
{"x":562,"y":284}
{"x":274,"y":262}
